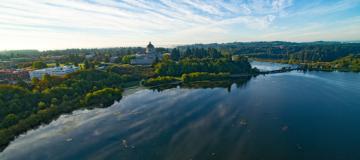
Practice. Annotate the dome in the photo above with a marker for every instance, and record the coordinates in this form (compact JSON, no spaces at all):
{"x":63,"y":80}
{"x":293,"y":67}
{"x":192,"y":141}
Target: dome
{"x":150,"y":46}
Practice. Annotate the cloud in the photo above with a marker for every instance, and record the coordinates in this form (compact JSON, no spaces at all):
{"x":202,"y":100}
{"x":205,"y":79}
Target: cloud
{"x":279,"y":5}
{"x":42,"y":23}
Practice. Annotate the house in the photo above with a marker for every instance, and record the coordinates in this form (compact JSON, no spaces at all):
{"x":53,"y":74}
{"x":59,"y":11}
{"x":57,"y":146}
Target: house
{"x":113,"y":59}
{"x":12,"y":75}
{"x":89,"y":56}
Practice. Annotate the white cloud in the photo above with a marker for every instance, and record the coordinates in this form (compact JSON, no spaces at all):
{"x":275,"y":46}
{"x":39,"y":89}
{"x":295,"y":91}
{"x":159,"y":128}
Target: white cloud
{"x":279,"y":5}
{"x":47,"y":24}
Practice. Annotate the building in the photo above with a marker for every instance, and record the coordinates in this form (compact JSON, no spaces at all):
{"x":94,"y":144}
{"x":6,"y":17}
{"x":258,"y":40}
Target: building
{"x":13,"y":75}
{"x":114,"y":59}
{"x":89,"y":56}
{"x":55,"y":71}
{"x":148,"y":57}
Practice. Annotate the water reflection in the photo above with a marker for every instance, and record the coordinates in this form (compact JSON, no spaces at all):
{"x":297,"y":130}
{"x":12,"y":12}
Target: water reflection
{"x":227,"y":84}
{"x":269,"y":66}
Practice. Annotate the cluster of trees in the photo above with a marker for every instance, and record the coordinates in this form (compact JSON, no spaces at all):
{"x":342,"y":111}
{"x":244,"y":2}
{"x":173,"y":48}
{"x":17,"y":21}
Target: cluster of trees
{"x":104,"y":97}
{"x":15,"y":125}
{"x":127,"y":59}
{"x":204,"y":76}
{"x":348,"y":63}
{"x":160,"y":80}
{"x":18,"y":58}
{"x":12,"y":100}
{"x":98,"y":54}
{"x":27,"y":106}
{"x":136,"y":72}
{"x":198,"y":65}
{"x":8,"y":55}
{"x":193,"y":53}
{"x":173,"y":68}
{"x":38,"y":65}
{"x":190,"y":77}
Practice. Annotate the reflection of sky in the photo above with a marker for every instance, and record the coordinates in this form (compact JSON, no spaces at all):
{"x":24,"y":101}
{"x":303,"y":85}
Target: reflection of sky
{"x":205,"y":123}
{"x":267,"y":66}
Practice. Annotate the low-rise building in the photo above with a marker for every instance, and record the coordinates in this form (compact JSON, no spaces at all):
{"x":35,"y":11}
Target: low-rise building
{"x":90,"y":56}
{"x":12,"y":74}
{"x":55,"y":71}
{"x":114,"y":59}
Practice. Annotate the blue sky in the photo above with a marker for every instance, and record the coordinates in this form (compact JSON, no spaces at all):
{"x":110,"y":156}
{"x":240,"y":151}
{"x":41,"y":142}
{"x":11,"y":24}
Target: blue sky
{"x":59,"y":24}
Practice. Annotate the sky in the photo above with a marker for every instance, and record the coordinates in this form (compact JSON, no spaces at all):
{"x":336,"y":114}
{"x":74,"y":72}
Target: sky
{"x":60,"y":24}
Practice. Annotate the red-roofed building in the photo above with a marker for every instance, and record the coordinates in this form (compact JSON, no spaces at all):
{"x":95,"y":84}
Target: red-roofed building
{"x":12,"y":75}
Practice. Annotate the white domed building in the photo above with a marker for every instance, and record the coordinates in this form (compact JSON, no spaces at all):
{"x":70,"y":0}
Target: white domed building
{"x":148,"y":57}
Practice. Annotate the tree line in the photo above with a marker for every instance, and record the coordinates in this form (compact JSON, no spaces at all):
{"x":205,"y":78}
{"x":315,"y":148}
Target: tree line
{"x":183,"y":66}
{"x":302,"y":52}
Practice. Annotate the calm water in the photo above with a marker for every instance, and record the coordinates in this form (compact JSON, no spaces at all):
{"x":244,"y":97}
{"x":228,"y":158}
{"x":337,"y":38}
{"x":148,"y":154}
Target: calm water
{"x":268,"y":66}
{"x":313,"y":115}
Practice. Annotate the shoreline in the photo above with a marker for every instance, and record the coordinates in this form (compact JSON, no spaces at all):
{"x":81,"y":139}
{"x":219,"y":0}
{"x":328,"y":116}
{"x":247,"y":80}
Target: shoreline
{"x":11,"y":133}
{"x":306,"y":66}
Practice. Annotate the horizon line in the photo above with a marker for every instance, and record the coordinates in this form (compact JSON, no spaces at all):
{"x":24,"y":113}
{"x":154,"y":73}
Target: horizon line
{"x":178,"y":45}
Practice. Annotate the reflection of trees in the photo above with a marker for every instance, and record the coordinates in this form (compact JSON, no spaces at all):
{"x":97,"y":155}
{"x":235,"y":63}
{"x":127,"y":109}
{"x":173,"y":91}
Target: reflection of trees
{"x":238,"y":82}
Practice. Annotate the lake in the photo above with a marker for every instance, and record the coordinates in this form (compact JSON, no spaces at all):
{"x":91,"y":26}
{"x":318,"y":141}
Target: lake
{"x":294,"y":115}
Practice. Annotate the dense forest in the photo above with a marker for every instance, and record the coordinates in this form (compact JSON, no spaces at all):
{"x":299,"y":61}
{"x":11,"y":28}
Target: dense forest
{"x":301,"y":52}
{"x":183,"y":66}
{"x":52,"y":96}
{"x":210,"y":65}
{"x":345,"y":64}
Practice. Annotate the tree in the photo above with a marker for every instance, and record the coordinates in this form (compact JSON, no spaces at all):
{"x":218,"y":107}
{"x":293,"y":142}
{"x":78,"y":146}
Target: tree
{"x":9,"y":120}
{"x":22,"y":83}
{"x":86,"y":64}
{"x":39,"y":65}
{"x":42,"y":105}
{"x":187,"y":53}
{"x":171,"y":68}
{"x":166,"y":57}
{"x":175,"y":54}
{"x":103,"y":97}
{"x":127,"y":59}
{"x":214,"y":53}
{"x":54,"y":101}
{"x":35,"y":81}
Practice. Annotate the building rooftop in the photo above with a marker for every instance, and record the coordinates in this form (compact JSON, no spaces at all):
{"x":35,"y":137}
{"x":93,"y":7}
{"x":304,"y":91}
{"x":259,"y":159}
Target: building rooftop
{"x":150,"y":46}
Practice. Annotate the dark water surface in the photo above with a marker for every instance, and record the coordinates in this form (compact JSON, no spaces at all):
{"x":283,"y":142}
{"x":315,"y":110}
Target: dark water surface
{"x":313,"y":115}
